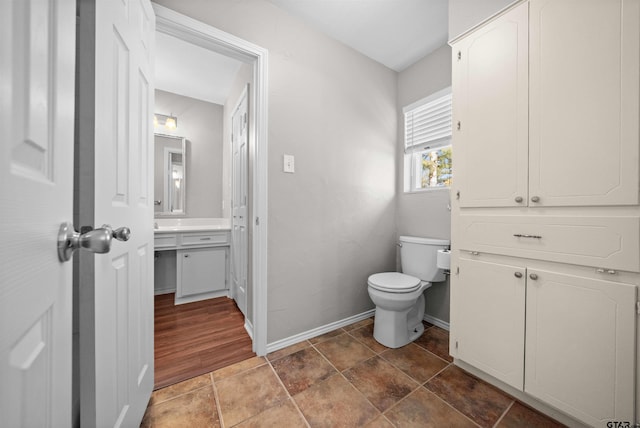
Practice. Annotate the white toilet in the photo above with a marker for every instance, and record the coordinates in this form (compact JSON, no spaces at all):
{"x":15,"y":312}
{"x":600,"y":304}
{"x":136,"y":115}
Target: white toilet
{"x":399,"y":297}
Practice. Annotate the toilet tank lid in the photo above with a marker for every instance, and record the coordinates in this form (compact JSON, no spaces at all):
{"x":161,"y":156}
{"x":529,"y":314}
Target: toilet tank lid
{"x":424,"y":241}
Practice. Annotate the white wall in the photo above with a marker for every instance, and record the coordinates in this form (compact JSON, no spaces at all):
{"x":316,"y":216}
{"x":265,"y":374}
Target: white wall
{"x":424,"y":214}
{"x":200,"y":122}
{"x":465,"y":14}
{"x":331,"y":224}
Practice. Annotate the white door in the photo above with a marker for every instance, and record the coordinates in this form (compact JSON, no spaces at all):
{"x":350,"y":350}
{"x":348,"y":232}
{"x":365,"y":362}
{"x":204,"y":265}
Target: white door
{"x":580,"y":348}
{"x":489,"y":317}
{"x":239,"y":138}
{"x":585,"y":61}
{"x":115,"y":136}
{"x":490,"y":103}
{"x":37,"y":49}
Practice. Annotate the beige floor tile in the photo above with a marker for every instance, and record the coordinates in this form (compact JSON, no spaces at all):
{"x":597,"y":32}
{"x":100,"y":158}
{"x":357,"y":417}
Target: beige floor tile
{"x":355,"y":325}
{"x":248,"y":394}
{"x":237,"y":368}
{"x":284,"y":414}
{"x":302,"y":369}
{"x":436,"y":341}
{"x":326,"y":336}
{"x":335,"y":403}
{"x":423,"y":409}
{"x":169,"y":392}
{"x":193,"y":409}
{"x":479,"y":401}
{"x":344,"y":351}
{"x":382,"y":384}
{"x":415,"y":361}
{"x":365,"y":335}
{"x":521,"y":416}
{"x":379,"y":422}
{"x":288,"y":350}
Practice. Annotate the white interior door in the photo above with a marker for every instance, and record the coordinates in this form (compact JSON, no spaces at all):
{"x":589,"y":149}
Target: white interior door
{"x":115,"y":136}
{"x":37,"y":56}
{"x":239,"y":127}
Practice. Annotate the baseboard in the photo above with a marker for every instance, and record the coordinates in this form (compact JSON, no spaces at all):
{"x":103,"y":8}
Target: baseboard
{"x":309,"y":334}
{"x":436,"y":322}
{"x":249,"y":328}
{"x":159,"y":291}
{"x":201,"y":296}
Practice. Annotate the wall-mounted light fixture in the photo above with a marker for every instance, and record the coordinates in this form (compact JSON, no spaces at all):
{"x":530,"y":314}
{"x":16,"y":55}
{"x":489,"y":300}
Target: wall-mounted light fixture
{"x":169,"y":122}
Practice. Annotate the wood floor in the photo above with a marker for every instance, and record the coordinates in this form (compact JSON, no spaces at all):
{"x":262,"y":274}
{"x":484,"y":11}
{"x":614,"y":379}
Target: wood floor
{"x":196,"y":338}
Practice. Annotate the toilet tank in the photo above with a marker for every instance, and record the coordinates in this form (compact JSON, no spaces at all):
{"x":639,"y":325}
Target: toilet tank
{"x":418,"y":257}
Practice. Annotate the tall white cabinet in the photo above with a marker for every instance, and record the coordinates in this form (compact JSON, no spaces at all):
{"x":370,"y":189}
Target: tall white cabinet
{"x":546,"y":209}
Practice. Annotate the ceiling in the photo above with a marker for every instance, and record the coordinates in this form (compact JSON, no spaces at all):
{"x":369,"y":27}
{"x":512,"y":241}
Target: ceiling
{"x":396,"y":33}
{"x":192,"y":71}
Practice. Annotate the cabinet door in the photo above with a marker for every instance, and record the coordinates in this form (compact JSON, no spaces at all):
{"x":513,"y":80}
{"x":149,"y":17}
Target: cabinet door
{"x":489,"y":318}
{"x":584,"y":94}
{"x":490,"y":103}
{"x":201,"y":270}
{"x":580,"y":348}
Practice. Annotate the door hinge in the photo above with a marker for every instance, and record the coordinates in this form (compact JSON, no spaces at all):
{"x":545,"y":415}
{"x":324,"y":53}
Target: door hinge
{"x":458,"y":194}
{"x":638,"y":308}
{"x":459,"y":125}
{"x":459,"y":55}
{"x":457,"y":270}
{"x":257,"y":221}
{"x":456,"y":344}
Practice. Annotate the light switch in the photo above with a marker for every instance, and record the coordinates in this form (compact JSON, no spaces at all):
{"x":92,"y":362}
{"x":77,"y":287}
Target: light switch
{"x":289,"y":164}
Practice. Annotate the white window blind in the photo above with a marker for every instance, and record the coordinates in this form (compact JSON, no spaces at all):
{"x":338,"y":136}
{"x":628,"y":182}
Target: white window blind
{"x":427,"y":123}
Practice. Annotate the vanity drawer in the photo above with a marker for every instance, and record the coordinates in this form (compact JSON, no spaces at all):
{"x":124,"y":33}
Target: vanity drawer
{"x":205,"y":239}
{"x":165,"y":240}
{"x":608,"y":242}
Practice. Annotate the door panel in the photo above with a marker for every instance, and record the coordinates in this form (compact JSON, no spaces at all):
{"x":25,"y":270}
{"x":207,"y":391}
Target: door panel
{"x":489,"y":327}
{"x":490,"y":82}
{"x":570,"y":317}
{"x":116,"y":310}
{"x":584,"y":102}
{"x":37,"y":48}
{"x":239,"y":198}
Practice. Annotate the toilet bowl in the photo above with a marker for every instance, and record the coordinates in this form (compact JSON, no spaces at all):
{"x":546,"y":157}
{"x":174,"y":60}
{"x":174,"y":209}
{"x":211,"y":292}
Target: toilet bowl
{"x":399,"y":297}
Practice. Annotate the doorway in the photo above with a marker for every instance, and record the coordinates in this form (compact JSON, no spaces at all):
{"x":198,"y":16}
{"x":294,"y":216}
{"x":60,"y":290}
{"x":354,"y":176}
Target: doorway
{"x":191,"y":31}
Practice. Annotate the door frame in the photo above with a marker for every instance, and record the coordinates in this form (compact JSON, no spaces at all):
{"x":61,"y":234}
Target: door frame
{"x":192,"y":31}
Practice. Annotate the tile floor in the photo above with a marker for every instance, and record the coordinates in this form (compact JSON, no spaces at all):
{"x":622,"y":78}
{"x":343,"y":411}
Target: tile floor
{"x":342,"y":379}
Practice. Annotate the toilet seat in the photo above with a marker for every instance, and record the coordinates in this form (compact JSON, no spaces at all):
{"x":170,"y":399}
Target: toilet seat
{"x":394,"y":282}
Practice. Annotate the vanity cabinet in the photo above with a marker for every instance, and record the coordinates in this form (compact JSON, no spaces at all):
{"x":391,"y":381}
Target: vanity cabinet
{"x":546,"y":106}
{"x":546,"y":211}
{"x":574,"y":348}
{"x":201,"y":270}
{"x":202,"y":262}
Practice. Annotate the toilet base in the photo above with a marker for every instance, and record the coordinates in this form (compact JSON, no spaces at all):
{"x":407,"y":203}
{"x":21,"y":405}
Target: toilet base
{"x":395,"y":329}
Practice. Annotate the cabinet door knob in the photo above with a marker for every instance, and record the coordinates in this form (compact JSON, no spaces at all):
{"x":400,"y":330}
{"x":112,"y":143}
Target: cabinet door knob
{"x":535,"y":199}
{"x":533,"y":276}
{"x":186,"y":255}
{"x":518,"y":274}
{"x":518,"y":199}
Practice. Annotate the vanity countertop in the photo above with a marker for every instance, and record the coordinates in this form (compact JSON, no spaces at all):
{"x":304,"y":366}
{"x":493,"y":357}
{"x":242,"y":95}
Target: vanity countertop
{"x":171,"y":225}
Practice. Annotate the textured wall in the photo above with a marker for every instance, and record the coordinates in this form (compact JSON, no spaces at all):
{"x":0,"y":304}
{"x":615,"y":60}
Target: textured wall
{"x":332,"y":223}
{"x":425,"y":213}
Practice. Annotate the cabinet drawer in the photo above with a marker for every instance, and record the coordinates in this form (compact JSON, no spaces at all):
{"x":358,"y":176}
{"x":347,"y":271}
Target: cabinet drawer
{"x":609,"y":242}
{"x":164,"y":240}
{"x":208,"y":239}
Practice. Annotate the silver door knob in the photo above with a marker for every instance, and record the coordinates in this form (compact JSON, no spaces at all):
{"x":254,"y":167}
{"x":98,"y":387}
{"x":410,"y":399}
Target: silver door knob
{"x":96,"y":240}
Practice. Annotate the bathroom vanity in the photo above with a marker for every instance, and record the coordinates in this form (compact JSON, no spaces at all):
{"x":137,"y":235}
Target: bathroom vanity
{"x":201,"y":248}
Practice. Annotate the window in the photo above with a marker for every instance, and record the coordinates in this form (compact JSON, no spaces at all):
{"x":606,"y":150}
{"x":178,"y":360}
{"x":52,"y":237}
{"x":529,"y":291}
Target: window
{"x":427,"y":136}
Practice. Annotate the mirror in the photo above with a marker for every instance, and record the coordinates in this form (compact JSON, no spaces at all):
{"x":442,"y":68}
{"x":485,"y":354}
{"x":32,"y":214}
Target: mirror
{"x":170,"y":175}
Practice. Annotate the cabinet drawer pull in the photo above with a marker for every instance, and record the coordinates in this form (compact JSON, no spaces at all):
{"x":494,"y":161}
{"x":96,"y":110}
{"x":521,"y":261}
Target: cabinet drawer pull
{"x":533,"y":276}
{"x":518,"y":274}
{"x":535,"y":199}
{"x":520,"y":235}
{"x":518,"y":199}
{"x":205,"y":239}
{"x":186,"y":255}
{"x":474,"y":253}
